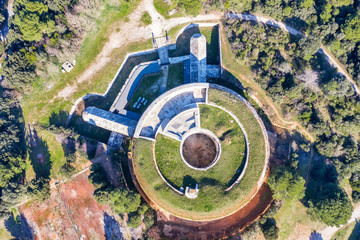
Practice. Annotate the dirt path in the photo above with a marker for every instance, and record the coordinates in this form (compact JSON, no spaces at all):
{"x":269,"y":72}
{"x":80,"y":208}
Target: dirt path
{"x":130,"y":32}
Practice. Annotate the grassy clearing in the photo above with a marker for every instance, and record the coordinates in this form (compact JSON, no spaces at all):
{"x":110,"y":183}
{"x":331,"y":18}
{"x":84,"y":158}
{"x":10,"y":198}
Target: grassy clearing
{"x":212,"y":38}
{"x":49,"y":146}
{"x":164,"y":8}
{"x":344,"y":233}
{"x":291,"y":216}
{"x":204,"y":207}
{"x":212,"y":45}
{"x":232,"y":158}
{"x":355,"y":232}
{"x":4,"y":234}
{"x":39,"y":97}
{"x":175,"y":76}
{"x":148,"y":88}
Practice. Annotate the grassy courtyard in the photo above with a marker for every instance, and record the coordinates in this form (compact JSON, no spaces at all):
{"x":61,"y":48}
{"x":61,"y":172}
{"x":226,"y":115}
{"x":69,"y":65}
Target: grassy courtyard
{"x":150,"y":85}
{"x":221,"y":175}
{"x":212,"y":43}
{"x":212,"y":201}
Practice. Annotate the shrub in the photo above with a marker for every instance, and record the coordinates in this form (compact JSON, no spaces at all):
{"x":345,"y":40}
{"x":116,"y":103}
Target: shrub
{"x":146,"y":18}
{"x":134,"y":220}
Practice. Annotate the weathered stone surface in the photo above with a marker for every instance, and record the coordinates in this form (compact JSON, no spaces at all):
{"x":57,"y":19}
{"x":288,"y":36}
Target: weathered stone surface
{"x":110,"y":121}
{"x":197,"y":58}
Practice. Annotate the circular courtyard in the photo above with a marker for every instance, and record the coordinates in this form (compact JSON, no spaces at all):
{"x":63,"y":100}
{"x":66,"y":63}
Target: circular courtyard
{"x":194,"y":159}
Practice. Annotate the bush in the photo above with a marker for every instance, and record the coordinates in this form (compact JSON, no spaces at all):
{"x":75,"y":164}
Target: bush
{"x":286,"y":185}
{"x":146,"y":18}
{"x":67,"y":170}
{"x":149,"y":218}
{"x":269,"y":229}
{"x":331,"y":205}
{"x":134,"y":220}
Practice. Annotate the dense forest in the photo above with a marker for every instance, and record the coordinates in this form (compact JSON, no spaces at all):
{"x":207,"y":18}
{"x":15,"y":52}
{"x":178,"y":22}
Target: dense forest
{"x":36,"y":40}
{"x":300,"y":80}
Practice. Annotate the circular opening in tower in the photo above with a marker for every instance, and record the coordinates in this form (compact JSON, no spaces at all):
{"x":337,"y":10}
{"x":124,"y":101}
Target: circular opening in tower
{"x":200,"y":150}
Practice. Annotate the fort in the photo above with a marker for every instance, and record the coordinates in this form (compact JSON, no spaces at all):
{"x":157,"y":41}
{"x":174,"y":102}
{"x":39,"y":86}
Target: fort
{"x":176,"y":143}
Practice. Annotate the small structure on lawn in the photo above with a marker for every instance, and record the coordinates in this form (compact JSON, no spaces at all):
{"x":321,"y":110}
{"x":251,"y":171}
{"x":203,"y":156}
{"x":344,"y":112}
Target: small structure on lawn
{"x":192,"y":192}
{"x":67,"y":66}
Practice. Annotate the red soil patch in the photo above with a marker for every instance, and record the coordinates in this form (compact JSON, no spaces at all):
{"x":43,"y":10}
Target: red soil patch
{"x":48,"y":219}
{"x":86,"y":213}
{"x":177,"y":228}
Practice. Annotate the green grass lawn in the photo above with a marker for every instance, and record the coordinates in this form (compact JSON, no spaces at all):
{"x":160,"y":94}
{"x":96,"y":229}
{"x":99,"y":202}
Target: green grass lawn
{"x":176,"y":76}
{"x":148,"y":88}
{"x":212,"y":46}
{"x":350,"y":232}
{"x":167,"y":153}
{"x":344,"y":233}
{"x":293,"y":215}
{"x":212,"y":200}
{"x":355,"y":235}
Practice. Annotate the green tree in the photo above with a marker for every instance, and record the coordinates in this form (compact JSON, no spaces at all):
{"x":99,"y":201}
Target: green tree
{"x":39,"y":188}
{"x":123,"y":201}
{"x":351,"y":28}
{"x":270,"y":230}
{"x":306,"y":3}
{"x":331,"y":205}
{"x":18,"y":71}
{"x":33,"y":20}
{"x":239,"y":6}
{"x":135,"y":220}
{"x":286,"y":185}
{"x":337,"y":86}
{"x":58,"y":5}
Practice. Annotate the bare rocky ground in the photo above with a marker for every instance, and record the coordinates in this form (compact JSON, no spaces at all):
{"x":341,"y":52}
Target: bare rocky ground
{"x":72,"y":213}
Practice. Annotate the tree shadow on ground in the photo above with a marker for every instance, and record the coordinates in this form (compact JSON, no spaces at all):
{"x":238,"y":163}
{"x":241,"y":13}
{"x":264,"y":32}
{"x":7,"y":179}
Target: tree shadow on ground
{"x":59,"y":118}
{"x":209,"y":182}
{"x":315,"y":236}
{"x":111,"y":227}
{"x":19,"y":228}
{"x":355,"y":234}
{"x":39,"y":154}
